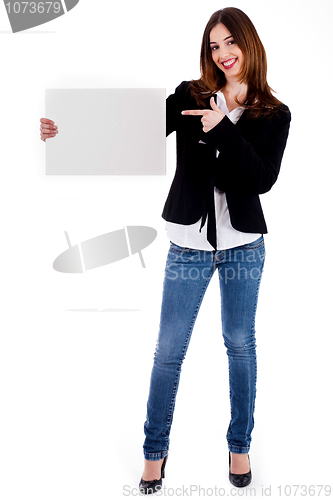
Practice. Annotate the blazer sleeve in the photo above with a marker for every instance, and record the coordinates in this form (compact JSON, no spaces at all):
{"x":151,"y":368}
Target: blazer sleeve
{"x":174,"y":107}
{"x":243,"y":166}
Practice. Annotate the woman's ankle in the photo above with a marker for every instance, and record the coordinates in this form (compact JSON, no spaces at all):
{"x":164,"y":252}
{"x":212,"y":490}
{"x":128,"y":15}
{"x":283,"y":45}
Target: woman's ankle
{"x":240,"y":463}
{"x":152,"y":469}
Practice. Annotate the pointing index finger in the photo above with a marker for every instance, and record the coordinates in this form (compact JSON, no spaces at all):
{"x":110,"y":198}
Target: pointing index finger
{"x":195,"y":112}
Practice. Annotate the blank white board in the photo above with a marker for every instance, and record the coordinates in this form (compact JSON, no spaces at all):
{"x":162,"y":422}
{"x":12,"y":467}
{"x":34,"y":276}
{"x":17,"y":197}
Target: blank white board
{"x":106,"y":132}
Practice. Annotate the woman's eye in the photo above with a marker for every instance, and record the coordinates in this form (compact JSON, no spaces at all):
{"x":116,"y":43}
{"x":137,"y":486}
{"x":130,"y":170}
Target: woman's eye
{"x":214,"y":47}
{"x":231,"y":42}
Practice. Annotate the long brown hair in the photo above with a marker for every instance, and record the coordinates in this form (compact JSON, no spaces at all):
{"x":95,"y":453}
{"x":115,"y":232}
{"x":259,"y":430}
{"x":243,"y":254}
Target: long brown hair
{"x":260,"y":100}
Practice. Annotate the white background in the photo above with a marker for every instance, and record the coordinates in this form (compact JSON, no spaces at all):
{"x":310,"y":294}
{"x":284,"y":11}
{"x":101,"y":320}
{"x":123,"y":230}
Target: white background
{"x":74,"y":385}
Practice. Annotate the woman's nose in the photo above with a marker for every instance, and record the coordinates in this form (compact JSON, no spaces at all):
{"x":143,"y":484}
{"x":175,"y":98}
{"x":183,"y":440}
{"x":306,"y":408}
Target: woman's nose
{"x":224,"y":53}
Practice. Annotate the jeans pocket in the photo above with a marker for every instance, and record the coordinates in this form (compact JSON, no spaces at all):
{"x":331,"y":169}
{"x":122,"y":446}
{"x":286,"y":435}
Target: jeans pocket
{"x":177,"y":248}
{"x":254,"y":245}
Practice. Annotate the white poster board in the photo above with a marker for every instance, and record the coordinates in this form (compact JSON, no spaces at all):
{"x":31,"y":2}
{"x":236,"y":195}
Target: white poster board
{"x":106,"y":132}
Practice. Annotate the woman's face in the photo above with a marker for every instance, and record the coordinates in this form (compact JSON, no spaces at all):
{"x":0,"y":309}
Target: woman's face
{"x":225,"y":52}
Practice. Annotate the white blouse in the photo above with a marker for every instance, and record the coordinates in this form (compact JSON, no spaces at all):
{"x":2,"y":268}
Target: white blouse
{"x":227,"y":237}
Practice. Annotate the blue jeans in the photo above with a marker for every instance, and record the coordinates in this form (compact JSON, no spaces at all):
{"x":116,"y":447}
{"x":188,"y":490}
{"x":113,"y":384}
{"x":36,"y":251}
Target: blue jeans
{"x":187,"y":275}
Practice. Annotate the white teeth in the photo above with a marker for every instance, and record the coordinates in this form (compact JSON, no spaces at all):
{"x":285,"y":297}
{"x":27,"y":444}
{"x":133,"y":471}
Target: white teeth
{"x":229,"y":63}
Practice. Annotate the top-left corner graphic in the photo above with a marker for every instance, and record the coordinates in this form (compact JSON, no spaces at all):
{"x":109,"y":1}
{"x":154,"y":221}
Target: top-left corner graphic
{"x":26,"y":15}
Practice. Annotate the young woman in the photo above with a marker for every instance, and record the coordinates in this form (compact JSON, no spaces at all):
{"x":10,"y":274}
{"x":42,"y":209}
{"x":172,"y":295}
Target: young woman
{"x":231,"y":135}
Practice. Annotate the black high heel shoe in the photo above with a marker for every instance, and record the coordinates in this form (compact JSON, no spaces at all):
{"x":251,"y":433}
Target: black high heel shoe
{"x":240,"y":480}
{"x":148,"y":487}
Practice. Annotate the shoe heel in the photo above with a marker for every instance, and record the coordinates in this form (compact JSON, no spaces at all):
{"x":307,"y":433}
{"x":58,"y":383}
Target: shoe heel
{"x":163,"y":467}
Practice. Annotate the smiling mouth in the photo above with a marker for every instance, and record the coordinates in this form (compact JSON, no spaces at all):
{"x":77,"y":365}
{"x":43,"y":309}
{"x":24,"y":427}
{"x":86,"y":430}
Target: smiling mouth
{"x":230,"y":63}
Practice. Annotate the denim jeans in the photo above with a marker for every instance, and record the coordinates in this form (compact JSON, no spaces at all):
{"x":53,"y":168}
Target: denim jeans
{"x":187,"y":275}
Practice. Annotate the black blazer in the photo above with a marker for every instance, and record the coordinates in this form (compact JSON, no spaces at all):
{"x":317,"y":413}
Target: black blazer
{"x":248,"y":164}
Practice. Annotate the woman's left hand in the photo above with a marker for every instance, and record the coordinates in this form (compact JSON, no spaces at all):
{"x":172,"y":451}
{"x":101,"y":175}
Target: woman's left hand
{"x":210,"y":117}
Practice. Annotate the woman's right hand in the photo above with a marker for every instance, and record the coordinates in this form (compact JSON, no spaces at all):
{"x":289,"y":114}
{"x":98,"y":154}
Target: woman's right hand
{"x":47,"y":129}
